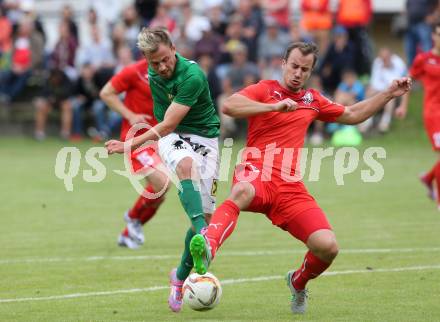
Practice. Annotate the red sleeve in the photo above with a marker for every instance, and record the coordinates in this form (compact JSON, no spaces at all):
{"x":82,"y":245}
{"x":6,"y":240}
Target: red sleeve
{"x":122,"y":80}
{"x":256,"y":92}
{"x":416,"y":70}
{"x":329,"y":111}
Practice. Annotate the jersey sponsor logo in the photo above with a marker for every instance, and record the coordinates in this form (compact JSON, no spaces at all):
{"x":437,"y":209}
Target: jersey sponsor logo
{"x":216,"y":226}
{"x":307,"y":98}
{"x":197,"y":147}
{"x":432,"y":61}
{"x":179,"y":145}
{"x":277,"y":96}
{"x":171,"y":93}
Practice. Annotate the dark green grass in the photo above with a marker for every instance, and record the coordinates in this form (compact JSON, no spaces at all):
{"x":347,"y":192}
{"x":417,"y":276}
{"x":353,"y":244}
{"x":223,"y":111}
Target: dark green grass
{"x":40,"y":220}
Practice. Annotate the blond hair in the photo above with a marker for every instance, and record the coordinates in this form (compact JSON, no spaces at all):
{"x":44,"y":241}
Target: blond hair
{"x":149,"y":39}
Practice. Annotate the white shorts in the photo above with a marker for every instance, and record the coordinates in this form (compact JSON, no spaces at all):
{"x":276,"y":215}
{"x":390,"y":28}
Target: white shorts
{"x":204,"y":151}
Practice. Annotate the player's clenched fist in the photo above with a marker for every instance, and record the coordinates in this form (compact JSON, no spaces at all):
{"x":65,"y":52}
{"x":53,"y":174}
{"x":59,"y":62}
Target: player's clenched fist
{"x":286,"y":105}
{"x":400,"y":86}
{"x":114,"y":146}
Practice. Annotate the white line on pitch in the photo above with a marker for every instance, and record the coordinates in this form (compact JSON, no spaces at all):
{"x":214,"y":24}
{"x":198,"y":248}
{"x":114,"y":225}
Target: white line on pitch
{"x":223,"y":254}
{"x":224,"y":282}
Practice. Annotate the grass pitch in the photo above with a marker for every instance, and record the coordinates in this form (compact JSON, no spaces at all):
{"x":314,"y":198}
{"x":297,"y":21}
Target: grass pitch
{"x":59,"y":260}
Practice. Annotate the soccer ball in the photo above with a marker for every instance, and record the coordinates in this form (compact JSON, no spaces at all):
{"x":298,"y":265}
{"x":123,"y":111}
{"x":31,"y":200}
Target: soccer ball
{"x":202,"y":292}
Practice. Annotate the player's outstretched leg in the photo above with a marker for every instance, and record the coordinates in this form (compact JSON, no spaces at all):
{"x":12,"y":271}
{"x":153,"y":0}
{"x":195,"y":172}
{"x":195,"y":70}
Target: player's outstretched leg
{"x":201,"y":253}
{"x":175,"y":298}
{"x":323,"y":249}
{"x":204,"y":246}
{"x":299,"y":297}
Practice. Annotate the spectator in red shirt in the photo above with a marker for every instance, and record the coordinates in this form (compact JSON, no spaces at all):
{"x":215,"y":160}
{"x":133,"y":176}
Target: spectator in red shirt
{"x":5,"y":46}
{"x":27,"y":54}
{"x":5,"y":33}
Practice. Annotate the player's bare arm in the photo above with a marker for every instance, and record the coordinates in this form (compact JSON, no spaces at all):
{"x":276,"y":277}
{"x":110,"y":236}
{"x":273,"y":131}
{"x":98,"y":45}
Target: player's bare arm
{"x":239,"y":106}
{"x":173,"y":116}
{"x":359,"y":112}
{"x":110,"y":97}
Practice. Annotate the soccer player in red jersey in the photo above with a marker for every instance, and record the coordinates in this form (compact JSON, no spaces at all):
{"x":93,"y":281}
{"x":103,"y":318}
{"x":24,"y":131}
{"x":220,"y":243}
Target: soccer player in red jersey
{"x":426,"y":68}
{"x":279,"y":115}
{"x":137,"y":107}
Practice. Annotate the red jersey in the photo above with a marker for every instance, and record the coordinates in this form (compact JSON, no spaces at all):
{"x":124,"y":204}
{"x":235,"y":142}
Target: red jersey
{"x":426,"y":68}
{"x":133,"y":80}
{"x":282,"y":133}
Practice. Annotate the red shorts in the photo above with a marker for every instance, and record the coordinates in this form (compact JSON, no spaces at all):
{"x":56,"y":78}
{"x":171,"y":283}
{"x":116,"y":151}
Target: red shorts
{"x":144,"y":159}
{"x":287,"y":204}
{"x":432,"y":126}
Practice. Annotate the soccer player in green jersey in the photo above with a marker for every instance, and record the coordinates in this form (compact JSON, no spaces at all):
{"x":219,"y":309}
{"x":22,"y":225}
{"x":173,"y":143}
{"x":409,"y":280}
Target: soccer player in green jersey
{"x":187,"y":135}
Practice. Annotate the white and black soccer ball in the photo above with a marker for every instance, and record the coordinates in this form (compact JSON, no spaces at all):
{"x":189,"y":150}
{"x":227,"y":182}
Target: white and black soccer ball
{"x":202,"y":292}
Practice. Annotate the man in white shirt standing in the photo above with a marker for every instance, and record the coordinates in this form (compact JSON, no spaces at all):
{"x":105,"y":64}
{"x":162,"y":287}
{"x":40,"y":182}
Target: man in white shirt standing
{"x":387,"y":66}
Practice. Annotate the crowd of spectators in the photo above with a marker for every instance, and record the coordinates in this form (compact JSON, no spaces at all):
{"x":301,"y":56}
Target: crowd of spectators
{"x":236,"y":42}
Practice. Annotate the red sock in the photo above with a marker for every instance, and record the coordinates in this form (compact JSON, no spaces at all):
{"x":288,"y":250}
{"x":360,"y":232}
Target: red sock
{"x":311,"y":267}
{"x":144,"y":208}
{"x":125,"y":232}
{"x":149,"y":212}
{"x":429,"y":176}
{"x":222,"y":224}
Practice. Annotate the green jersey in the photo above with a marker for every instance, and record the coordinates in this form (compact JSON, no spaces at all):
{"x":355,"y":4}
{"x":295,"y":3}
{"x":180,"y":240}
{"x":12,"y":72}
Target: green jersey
{"x":188,"y":86}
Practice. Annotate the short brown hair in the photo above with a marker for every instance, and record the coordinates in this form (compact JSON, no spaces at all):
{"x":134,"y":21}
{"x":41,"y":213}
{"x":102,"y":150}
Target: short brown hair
{"x":150,"y":38}
{"x":306,"y":48}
